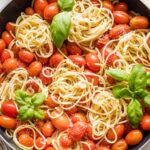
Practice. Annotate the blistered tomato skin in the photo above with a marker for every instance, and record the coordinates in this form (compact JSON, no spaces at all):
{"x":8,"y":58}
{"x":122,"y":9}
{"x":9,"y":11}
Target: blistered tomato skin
{"x":90,"y":143}
{"x":120,"y":145}
{"x":121,"y":6}
{"x":65,"y":141}
{"x":26,"y":56}
{"x":48,"y":129}
{"x":145,"y":123}
{"x":73,"y":49}
{"x":40,"y":142}
{"x":50,"y":101}
{"x":78,"y":60}
{"x":78,"y":117}
{"x":29,"y":11}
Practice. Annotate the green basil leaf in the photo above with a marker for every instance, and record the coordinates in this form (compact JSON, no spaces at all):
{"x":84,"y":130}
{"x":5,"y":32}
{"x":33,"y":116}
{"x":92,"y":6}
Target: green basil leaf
{"x":21,"y":97}
{"x":39,"y":114}
{"x":140,"y":94}
{"x":138,"y":78}
{"x":60,"y":28}
{"x":134,"y":113}
{"x":26,"y":113}
{"x":66,"y":5}
{"x":148,"y":79}
{"x":120,"y":91}
{"x":147,"y":100}
{"x":38,"y":99}
{"x":117,"y":74}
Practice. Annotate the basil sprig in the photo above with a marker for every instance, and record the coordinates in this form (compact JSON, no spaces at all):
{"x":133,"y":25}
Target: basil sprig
{"x":29,"y":106}
{"x":135,"y":89}
{"x":66,"y":5}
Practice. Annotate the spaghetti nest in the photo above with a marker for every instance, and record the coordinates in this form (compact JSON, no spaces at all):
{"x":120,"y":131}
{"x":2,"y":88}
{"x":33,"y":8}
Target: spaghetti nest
{"x":33,"y":34}
{"x":89,"y":21}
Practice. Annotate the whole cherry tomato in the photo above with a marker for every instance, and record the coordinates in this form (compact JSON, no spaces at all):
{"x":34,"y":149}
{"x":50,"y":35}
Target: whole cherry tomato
{"x":5,"y":55}
{"x":102,"y":148}
{"x":121,"y":6}
{"x":108,"y":5}
{"x":78,"y":117}
{"x":120,"y":145}
{"x":10,"y":27}
{"x":48,"y":129}
{"x":29,"y":11}
{"x":65,"y":141}
{"x":26,"y":56}
{"x":90,"y":146}
{"x":72,"y":110}
{"x":73,"y":49}
{"x":51,"y":1}
{"x":145,"y":122}
{"x":7,"y":37}
{"x":16,"y":50}
{"x":2,"y":45}
{"x":40,"y":142}
{"x":50,"y":148}
{"x":44,"y":61}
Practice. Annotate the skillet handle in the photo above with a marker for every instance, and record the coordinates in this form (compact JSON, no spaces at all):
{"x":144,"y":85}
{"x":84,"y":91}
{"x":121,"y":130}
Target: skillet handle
{"x":4,"y":3}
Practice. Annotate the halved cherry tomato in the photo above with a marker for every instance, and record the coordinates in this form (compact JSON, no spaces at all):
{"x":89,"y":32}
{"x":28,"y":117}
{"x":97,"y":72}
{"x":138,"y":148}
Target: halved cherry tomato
{"x":145,"y":122}
{"x":8,"y":108}
{"x":77,"y":131}
{"x":40,"y":142}
{"x":2,"y":45}
{"x":134,"y":137}
{"x":120,"y":145}
{"x":48,"y":129}
{"x":7,"y":37}
{"x":108,"y":5}
{"x":92,"y":62}
{"x":78,"y":60}
{"x":119,"y":30}
{"x":5,"y":55}
{"x":78,"y":117}
{"x":29,"y":11}
{"x":65,"y":141}
{"x":26,"y":140}
{"x":50,"y":11}
{"x":91,"y":145}
{"x":72,"y":110}
{"x":10,"y":27}
{"x":7,"y":122}
{"x":102,"y":148}
{"x":26,"y":56}
{"x":9,"y":65}
{"x":34,"y":68}
{"x":121,"y":6}
{"x":73,"y":49}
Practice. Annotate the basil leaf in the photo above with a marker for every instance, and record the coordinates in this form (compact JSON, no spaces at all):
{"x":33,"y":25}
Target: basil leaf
{"x":119,"y":75}
{"x":60,"y":28}
{"x":26,"y":113}
{"x":140,"y":94}
{"x":134,"y":113}
{"x":147,"y":100}
{"x":138,"y":78}
{"x":66,"y":5}
{"x":38,"y":99}
{"x":148,"y":79}
{"x":21,"y":97}
{"x":120,"y":91}
{"x":39,"y":114}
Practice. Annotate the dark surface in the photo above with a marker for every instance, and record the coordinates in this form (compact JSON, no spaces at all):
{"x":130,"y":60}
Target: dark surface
{"x":12,"y":11}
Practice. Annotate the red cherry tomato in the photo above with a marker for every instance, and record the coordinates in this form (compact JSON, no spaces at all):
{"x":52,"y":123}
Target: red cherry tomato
{"x":48,"y":129}
{"x":29,"y":11}
{"x":26,"y":140}
{"x":121,"y":6}
{"x":5,"y":55}
{"x":50,"y":11}
{"x":16,"y":50}
{"x":102,"y":148}
{"x":72,"y":110}
{"x":78,"y":60}
{"x":9,"y":109}
{"x":108,"y":5}
{"x":33,"y":85}
{"x":7,"y":37}
{"x":78,"y":117}
{"x":148,"y":41}
{"x":50,"y":148}
{"x":92,"y":62}
{"x":90,"y":146}
{"x":52,"y":1}
{"x":65,"y":141}
{"x":77,"y":131}
{"x":134,"y":137}
{"x":73,"y":49}
{"x":26,"y":56}
{"x":7,"y":122}
{"x":145,"y":122}
{"x":89,"y":131}
{"x":10,"y":27}
{"x":44,"y":61}
{"x":22,"y":64}
{"x":2,"y":45}
{"x":120,"y":145}
{"x":34,"y":68}
{"x":40,"y":143}
{"x":118,"y":31}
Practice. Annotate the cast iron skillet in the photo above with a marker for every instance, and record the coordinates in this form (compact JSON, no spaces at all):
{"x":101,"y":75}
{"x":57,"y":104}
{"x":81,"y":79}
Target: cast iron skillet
{"x":12,"y":11}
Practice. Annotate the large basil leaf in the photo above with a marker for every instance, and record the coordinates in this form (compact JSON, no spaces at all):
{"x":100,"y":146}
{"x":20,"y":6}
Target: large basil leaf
{"x":66,"y":5}
{"x":148,"y":79}
{"x":60,"y":28}
{"x":147,"y":100}
{"x":138,"y":78}
{"x":38,"y":99}
{"x":134,"y":113}
{"x":141,"y":93}
{"x":39,"y":114}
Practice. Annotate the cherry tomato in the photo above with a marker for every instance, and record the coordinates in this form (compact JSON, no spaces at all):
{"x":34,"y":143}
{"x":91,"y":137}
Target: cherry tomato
{"x":134,"y":137}
{"x":61,"y":123}
{"x":55,"y":59}
{"x":26,"y":140}
{"x":139,"y":22}
{"x":89,"y":131}
{"x":63,"y":50}
{"x":7,"y":122}
{"x":145,"y":122}
{"x":40,"y":143}
{"x":7,"y":37}
{"x":48,"y":129}
{"x":108,"y":5}
{"x":102,"y":148}
{"x":50,"y":148}
{"x":120,"y":145}
{"x":52,"y":1}
{"x":44,"y":61}
{"x":40,"y":124}
{"x":105,"y":143}
{"x":121,"y":6}
{"x":72,"y":110}
{"x":22,"y":64}
{"x":34,"y":68}
{"x":29,"y":11}
{"x":33,"y":85}
{"x":2,"y":45}
{"x":39,"y":6}
{"x":91,"y":145}
{"x":16,"y":50}
{"x":1,"y":70}
{"x":26,"y":56}
{"x":50,"y":102}
{"x":5,"y":55}
{"x":10,"y":27}
{"x":119,"y":131}
{"x":118,"y":31}
{"x":78,"y":117}
{"x":121,"y":17}
{"x":9,"y":109}
{"x":148,"y":41}
{"x":50,"y":11}
{"x":92,"y":62}
{"x":65,"y":141}
{"x":78,"y":60}
{"x":95,"y":1}
{"x":9,"y":65}
{"x":77,"y":131}
{"x":73,"y":49}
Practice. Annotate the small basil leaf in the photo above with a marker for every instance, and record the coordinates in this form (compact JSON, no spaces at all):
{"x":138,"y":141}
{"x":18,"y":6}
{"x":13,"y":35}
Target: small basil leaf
{"x":26,"y":113}
{"x":66,"y":5}
{"x":60,"y":28}
{"x":147,"y":100}
{"x":39,"y":114}
{"x":138,"y":78}
{"x":140,"y":94}
{"x":120,"y":91}
{"x":134,"y":113}
{"x":119,"y":75}
{"x":148,"y":79}
{"x":38,"y":99}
